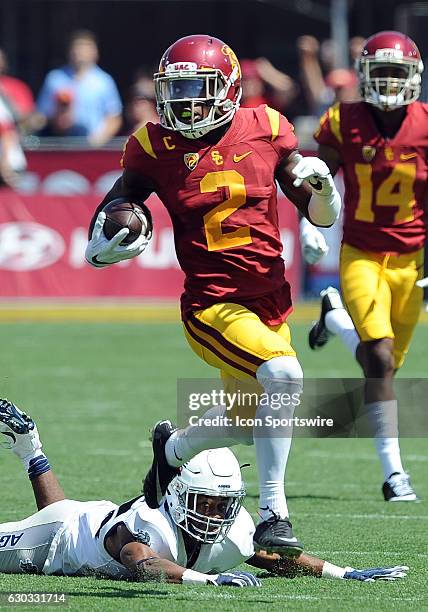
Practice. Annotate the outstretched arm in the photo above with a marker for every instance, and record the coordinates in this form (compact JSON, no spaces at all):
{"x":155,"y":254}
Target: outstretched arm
{"x":307,"y":565}
{"x":289,"y":567}
{"x":145,"y":564}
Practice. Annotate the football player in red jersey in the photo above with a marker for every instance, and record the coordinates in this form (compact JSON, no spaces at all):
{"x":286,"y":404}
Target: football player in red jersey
{"x":381,"y":143}
{"x":215,"y":167}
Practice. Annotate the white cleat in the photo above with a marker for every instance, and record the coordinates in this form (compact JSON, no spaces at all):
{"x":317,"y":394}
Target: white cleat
{"x":398,"y":489}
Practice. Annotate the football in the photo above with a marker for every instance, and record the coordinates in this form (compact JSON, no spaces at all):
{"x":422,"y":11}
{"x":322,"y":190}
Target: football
{"x":120,"y":214}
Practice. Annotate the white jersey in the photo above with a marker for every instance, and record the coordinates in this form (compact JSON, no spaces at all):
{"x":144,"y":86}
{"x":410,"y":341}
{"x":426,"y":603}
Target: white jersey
{"x":78,"y":548}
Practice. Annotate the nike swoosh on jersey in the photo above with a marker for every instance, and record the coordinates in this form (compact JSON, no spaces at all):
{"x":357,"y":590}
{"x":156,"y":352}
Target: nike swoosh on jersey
{"x":405,"y":156}
{"x":238,"y":158}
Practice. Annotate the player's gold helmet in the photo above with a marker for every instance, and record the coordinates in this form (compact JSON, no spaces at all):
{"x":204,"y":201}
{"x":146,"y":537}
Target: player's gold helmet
{"x":197,"y":70}
{"x":390,"y":69}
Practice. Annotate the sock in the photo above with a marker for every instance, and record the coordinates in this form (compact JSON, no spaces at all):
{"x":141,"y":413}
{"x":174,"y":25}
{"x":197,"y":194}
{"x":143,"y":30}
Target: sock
{"x":280,"y":377}
{"x":186,"y":443}
{"x":37,"y":465}
{"x":383,"y":416}
{"x":338,"y":322}
{"x":272,"y":455}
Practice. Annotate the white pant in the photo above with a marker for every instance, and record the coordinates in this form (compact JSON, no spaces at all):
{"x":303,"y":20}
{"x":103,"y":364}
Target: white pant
{"x":25,"y":545}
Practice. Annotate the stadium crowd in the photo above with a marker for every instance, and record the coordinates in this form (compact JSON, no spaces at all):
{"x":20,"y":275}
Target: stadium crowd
{"x":80,"y":99}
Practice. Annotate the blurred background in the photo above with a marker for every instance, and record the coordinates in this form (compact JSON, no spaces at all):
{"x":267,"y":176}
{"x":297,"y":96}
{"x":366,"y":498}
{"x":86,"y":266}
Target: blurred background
{"x":75,"y":81}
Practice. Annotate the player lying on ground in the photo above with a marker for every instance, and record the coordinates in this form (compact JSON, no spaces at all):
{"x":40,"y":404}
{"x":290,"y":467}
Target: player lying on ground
{"x":198,"y":536}
{"x":215,"y":167}
{"x":381,"y":144}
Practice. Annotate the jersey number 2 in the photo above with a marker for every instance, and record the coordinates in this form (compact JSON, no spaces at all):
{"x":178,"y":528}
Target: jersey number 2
{"x":216,"y":238}
{"x":396,"y":190}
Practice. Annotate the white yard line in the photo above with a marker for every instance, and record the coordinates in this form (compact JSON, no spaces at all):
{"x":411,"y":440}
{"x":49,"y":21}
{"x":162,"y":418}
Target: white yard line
{"x":363,"y":456}
{"x":374,"y":516}
{"x":363,"y":553}
{"x":111,"y":451}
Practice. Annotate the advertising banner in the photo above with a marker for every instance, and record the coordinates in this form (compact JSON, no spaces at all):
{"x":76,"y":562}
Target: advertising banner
{"x":43,"y":239}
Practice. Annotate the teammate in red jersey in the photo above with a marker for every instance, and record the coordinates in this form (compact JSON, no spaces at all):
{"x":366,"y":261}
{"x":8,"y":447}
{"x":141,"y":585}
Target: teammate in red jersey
{"x":381,"y":143}
{"x":214,"y":167}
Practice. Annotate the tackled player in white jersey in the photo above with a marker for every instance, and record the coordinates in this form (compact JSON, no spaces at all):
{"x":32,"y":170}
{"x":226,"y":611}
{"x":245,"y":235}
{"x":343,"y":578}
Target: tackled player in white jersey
{"x":198,"y":536}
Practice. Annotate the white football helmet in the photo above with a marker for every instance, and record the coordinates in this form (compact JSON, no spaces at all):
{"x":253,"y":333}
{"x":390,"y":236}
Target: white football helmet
{"x":211,"y":473}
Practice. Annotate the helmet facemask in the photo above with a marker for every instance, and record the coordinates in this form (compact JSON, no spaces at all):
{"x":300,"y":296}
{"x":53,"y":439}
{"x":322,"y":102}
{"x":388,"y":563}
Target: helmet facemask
{"x":184,"y":500}
{"x":389,"y":83}
{"x":192,"y":87}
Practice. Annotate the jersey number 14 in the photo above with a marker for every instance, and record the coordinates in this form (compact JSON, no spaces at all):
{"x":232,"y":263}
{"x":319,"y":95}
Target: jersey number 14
{"x":396,"y":190}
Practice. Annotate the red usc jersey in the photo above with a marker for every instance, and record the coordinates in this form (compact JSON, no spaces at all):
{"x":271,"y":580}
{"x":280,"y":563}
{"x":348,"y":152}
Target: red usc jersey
{"x":385,"y":179}
{"x":222,"y":201}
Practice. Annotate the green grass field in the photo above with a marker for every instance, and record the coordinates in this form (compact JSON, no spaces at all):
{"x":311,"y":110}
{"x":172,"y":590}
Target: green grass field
{"x":95,"y":389}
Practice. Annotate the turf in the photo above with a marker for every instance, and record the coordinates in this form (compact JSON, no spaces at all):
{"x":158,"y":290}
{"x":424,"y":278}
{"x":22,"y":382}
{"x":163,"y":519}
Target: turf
{"x":95,"y":389}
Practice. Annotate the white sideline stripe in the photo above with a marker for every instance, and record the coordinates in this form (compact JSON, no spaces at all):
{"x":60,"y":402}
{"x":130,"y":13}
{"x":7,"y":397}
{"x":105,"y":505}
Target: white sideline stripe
{"x":323,"y":598}
{"x":362,"y":553}
{"x":374,"y":516}
{"x":111,"y":451}
{"x":348,"y":597}
{"x":365,"y":457}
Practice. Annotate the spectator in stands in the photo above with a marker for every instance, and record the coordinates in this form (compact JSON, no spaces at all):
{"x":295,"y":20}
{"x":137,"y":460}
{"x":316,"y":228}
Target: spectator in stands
{"x":140,"y":107}
{"x":262,"y":83}
{"x":95,"y":102}
{"x":62,"y":122}
{"x":339,"y":84}
{"x":12,"y":159}
{"x":16,"y":95}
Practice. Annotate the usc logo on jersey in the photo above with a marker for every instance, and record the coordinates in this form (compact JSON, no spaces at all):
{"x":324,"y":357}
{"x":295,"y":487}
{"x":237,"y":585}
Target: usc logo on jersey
{"x":217,"y":158}
{"x":191,"y":160}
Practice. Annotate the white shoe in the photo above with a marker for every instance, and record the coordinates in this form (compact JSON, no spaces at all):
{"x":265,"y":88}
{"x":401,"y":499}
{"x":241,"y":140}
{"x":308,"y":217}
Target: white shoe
{"x":398,"y":488}
{"x":19,"y":432}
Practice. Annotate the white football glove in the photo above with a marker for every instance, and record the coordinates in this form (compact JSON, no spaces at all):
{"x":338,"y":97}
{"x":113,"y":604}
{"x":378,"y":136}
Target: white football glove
{"x":312,"y":242}
{"x":376,"y":573}
{"x":101,"y":252}
{"x":316,"y":173}
{"x":235,"y":579}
